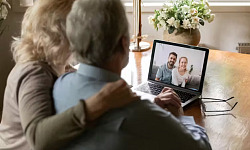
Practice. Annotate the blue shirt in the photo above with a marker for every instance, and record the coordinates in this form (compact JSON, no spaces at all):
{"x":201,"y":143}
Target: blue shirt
{"x":140,"y":125}
{"x":164,"y":74}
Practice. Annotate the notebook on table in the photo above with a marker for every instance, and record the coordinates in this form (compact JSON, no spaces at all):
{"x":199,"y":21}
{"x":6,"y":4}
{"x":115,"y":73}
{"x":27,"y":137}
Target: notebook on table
{"x":187,"y":76}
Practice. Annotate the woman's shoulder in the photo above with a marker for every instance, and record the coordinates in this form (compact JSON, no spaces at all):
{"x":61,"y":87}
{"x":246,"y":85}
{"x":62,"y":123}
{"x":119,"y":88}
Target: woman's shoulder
{"x":187,"y":73}
{"x":174,"y":69}
{"x":34,"y":68}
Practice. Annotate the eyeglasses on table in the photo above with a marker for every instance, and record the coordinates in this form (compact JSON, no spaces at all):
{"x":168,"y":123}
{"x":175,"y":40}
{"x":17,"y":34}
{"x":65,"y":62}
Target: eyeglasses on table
{"x":217,"y":112}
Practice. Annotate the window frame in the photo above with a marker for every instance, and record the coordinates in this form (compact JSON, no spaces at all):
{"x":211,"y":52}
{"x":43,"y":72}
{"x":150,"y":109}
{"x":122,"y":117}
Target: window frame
{"x":217,"y":7}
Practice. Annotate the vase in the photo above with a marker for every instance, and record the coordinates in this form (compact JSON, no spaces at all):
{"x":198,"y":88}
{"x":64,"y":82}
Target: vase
{"x":184,"y":36}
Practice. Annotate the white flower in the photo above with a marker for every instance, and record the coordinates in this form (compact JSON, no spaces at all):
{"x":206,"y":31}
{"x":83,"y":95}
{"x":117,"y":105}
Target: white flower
{"x":151,"y":20}
{"x":195,"y":20}
{"x":193,"y":11}
{"x":211,"y":18}
{"x":177,"y":24}
{"x":168,"y":6}
{"x":165,"y":28}
{"x":194,"y":26}
{"x":186,"y":24}
{"x":159,"y":18}
{"x":187,"y":14}
{"x":162,"y":23}
{"x":207,"y":11}
{"x":195,"y":3}
{"x":163,"y":15}
{"x":185,"y":9}
{"x":171,"y":21}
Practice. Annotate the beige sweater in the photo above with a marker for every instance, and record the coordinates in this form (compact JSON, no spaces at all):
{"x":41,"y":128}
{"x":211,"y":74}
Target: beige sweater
{"x":28,"y":121}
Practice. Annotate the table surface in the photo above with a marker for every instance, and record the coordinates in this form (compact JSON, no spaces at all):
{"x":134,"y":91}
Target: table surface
{"x":227,"y":75}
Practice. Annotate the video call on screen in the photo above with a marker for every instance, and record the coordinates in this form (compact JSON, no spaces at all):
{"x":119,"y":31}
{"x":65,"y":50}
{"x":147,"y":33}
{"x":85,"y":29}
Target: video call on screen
{"x":186,"y":70}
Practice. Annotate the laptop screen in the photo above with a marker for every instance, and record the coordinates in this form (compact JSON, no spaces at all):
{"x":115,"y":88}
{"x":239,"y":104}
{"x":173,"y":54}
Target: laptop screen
{"x":178,"y":65}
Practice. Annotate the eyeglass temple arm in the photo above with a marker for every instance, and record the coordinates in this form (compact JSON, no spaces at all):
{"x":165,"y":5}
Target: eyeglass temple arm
{"x":222,"y":110}
{"x":217,"y":100}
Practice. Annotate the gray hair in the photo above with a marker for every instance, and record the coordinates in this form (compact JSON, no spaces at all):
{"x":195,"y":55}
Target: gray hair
{"x":95,"y":28}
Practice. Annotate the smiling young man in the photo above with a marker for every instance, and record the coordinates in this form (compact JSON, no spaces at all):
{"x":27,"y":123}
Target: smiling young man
{"x":164,"y":73}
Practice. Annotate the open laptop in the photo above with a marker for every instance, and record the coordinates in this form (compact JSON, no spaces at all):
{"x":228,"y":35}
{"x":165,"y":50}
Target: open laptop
{"x":191,"y":87}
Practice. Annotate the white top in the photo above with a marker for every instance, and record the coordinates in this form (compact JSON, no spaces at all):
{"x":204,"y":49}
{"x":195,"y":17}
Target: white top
{"x":179,"y":80}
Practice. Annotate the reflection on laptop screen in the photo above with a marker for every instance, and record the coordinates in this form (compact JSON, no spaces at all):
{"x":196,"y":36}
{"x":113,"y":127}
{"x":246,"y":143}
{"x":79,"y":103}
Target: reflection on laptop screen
{"x":177,"y":65}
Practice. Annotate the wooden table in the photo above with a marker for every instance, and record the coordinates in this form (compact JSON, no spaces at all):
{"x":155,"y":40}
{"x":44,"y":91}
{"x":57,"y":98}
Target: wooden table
{"x":227,"y":75}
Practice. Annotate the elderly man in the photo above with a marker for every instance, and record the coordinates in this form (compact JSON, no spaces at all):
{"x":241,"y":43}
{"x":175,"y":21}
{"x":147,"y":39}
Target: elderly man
{"x":164,"y":73}
{"x":98,"y":35}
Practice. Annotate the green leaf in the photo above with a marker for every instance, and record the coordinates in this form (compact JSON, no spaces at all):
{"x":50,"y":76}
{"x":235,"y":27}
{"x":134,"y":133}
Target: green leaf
{"x":171,"y":30}
{"x":201,"y":22}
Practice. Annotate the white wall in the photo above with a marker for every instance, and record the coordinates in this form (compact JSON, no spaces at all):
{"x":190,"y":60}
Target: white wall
{"x":227,"y":30}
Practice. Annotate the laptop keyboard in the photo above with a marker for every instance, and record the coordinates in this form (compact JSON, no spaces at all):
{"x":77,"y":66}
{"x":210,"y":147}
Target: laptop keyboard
{"x":156,"y":89}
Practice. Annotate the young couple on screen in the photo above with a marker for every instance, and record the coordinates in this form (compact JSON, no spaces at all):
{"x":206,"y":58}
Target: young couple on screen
{"x":168,"y":73}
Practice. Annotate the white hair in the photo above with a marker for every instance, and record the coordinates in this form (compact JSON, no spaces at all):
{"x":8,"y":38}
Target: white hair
{"x":95,"y":28}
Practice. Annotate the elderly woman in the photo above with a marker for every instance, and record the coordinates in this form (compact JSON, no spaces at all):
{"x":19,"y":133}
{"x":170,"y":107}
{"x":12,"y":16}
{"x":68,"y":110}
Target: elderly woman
{"x":41,"y":53}
{"x":180,"y":75}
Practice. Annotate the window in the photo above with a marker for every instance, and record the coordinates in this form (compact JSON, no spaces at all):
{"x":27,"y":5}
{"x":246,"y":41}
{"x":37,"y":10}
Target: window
{"x":162,"y":1}
{"x":215,"y":5}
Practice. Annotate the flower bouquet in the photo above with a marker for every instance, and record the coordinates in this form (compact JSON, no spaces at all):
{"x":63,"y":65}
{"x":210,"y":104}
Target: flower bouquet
{"x":182,"y":14}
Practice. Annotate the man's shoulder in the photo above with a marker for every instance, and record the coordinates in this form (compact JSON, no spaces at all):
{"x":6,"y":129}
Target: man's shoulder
{"x":146,"y":110}
{"x":65,"y":76}
{"x":140,"y":110}
{"x":63,"y":80}
{"x":162,"y":67}
{"x":146,"y":119}
{"x":136,"y":115}
{"x":62,"y":84}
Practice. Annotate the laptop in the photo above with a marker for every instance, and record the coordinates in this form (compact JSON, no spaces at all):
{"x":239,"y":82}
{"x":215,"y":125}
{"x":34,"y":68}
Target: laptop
{"x":185,"y":76}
